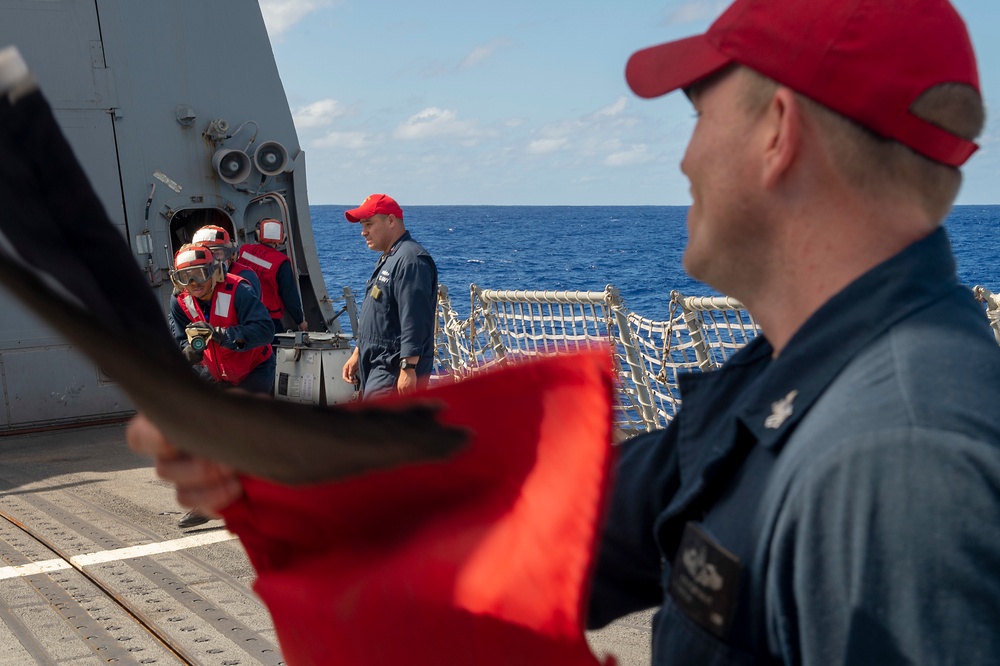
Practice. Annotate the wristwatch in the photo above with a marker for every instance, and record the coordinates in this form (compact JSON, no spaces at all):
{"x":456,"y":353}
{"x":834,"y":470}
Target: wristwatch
{"x":406,"y":365}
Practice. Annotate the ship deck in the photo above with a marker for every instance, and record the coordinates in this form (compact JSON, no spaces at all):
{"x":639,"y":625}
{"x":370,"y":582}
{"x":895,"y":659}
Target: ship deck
{"x":93,"y":568}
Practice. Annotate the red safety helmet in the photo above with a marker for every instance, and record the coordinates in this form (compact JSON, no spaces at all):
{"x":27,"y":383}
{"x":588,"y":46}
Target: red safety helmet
{"x":270,"y":231}
{"x":195,"y":263}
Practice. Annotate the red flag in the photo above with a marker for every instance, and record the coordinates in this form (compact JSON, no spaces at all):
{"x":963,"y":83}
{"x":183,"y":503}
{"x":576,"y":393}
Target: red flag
{"x":481,"y":559}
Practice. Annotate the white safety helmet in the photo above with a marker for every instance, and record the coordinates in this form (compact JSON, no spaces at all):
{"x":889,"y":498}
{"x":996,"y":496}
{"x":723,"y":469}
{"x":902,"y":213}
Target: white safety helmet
{"x":270,"y":231}
{"x":216,"y":238}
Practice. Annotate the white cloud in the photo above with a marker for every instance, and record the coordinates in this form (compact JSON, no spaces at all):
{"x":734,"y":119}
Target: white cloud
{"x":541,"y":146}
{"x":445,"y":68}
{"x":280,"y":15}
{"x":554,"y":138}
{"x":697,"y":10}
{"x":609,"y":136}
{"x":482,"y":52}
{"x":317,"y":114}
{"x":613,"y":110}
{"x":433,"y":122}
{"x":633,"y":155}
{"x":343,"y":140}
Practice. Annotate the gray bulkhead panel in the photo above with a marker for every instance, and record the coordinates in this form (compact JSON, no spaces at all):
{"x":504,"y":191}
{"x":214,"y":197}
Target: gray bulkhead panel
{"x":44,"y":380}
{"x":204,"y":62}
{"x":135,"y":86}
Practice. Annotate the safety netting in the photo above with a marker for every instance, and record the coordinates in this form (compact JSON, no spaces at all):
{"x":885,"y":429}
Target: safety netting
{"x":699,"y":334}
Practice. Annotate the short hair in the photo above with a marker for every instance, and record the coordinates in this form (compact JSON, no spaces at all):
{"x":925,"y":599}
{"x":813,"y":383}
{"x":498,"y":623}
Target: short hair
{"x":874,"y":164}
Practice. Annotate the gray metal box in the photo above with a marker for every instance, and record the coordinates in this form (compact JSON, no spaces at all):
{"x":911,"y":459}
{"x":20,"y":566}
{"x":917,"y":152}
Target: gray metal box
{"x":309,"y":368}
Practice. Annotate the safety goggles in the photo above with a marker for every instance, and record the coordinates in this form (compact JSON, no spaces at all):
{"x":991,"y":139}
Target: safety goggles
{"x":220,"y":252}
{"x":195,"y":274}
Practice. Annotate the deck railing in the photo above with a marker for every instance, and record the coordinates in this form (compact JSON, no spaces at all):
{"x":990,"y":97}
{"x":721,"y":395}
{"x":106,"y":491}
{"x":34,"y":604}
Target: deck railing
{"x":700,"y":333}
{"x":510,"y":326}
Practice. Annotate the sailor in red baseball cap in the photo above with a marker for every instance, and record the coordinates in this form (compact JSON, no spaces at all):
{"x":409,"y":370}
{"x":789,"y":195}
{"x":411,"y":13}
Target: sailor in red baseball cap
{"x":374,"y":204}
{"x":813,"y":500}
{"x":852,"y":56}
{"x":395,"y":338}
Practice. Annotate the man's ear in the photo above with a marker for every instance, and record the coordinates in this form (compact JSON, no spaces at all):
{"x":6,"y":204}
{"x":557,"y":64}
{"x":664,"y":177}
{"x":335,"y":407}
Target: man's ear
{"x":783,"y":124}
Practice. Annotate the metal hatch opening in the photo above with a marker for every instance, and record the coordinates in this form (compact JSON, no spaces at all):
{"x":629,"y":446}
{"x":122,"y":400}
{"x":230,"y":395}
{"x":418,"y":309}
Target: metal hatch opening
{"x":186,"y":221}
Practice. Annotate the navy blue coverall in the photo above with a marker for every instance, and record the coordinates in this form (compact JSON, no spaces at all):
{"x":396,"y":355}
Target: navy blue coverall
{"x":397,"y":316}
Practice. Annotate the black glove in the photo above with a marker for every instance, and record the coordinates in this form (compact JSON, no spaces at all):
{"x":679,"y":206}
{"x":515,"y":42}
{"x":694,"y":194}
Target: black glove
{"x":219,"y":334}
{"x":192,"y":355}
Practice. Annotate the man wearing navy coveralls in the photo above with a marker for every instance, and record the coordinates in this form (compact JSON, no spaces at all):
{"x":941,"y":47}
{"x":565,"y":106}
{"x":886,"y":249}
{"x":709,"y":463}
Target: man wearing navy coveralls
{"x":395,"y":337}
{"x":831,"y":495}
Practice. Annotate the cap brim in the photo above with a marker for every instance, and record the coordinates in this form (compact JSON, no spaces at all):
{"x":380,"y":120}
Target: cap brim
{"x":355,"y":215}
{"x":657,"y":70}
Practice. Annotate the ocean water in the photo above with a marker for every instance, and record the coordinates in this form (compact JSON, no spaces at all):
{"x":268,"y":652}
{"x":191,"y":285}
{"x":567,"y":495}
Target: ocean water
{"x":582,"y":248}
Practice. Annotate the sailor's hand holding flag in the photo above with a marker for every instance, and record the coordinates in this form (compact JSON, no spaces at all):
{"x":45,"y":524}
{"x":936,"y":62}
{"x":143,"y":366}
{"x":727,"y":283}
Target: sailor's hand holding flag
{"x":200,"y":482}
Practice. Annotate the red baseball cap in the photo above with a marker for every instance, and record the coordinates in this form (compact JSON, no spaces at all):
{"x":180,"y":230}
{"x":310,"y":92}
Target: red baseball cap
{"x":375,"y":204}
{"x":868,"y":60}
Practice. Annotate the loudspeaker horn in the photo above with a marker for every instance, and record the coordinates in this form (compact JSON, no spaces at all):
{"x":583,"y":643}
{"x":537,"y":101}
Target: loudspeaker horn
{"x":232,"y":166}
{"x":271,"y":158}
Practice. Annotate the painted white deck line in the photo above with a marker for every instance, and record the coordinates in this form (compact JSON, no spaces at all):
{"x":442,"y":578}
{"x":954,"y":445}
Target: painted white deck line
{"x":46,"y":566}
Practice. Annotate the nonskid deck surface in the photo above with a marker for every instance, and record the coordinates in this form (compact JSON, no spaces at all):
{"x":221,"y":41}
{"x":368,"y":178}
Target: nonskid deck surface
{"x":94,"y":570}
{"x":136,"y":588}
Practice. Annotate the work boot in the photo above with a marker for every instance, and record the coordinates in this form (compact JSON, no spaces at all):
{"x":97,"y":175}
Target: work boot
{"x":192,"y":518}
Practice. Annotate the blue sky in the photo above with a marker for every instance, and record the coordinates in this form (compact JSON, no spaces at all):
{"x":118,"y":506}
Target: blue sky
{"x":458,"y":102}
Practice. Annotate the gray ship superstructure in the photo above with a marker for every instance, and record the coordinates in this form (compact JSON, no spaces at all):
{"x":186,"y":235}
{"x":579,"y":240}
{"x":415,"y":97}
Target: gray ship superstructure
{"x":177,"y":114}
